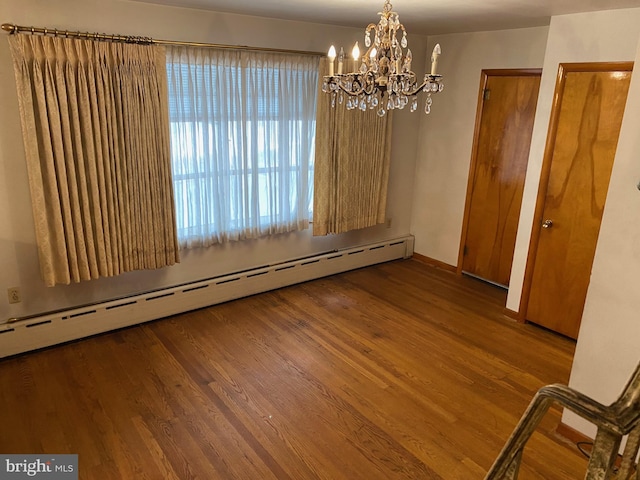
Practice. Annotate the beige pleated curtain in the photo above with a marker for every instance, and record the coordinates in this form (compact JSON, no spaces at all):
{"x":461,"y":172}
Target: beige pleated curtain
{"x":96,"y":134}
{"x":351,"y":171}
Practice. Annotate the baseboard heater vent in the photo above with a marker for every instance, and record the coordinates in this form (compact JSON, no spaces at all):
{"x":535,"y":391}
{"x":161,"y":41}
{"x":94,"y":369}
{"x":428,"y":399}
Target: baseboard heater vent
{"x":53,"y":328}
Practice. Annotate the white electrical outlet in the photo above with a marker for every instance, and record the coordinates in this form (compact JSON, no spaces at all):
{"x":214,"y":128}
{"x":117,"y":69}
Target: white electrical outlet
{"x":13,"y":294}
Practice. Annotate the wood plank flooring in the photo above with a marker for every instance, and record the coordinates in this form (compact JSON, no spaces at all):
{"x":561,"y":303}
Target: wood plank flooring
{"x":397,"y":371}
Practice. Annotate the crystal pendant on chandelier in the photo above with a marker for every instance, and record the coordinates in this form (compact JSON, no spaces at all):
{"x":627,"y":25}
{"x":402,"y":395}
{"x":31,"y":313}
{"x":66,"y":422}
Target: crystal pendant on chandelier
{"x":383,"y":74}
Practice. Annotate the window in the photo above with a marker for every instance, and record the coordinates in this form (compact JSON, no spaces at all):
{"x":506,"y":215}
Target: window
{"x":242,"y":142}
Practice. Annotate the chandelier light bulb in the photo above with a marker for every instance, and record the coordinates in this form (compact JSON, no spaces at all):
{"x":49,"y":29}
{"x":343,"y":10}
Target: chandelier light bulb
{"x":340,"y":60}
{"x":332,"y":56}
{"x":355,"y":53}
{"x":437,"y":51}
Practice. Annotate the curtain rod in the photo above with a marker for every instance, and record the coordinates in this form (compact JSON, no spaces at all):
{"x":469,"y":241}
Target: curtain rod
{"x":15,"y":29}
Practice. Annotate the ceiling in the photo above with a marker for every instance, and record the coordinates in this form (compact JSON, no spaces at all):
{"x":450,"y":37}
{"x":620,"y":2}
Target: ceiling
{"x":427,"y":17}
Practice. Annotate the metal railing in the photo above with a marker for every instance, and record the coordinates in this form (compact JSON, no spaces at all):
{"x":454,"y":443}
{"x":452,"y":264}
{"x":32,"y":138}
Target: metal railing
{"x":614,"y":422}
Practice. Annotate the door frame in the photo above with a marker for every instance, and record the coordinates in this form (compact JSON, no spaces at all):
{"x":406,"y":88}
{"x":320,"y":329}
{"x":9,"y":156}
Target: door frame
{"x":536,"y":229}
{"x":484,"y":78}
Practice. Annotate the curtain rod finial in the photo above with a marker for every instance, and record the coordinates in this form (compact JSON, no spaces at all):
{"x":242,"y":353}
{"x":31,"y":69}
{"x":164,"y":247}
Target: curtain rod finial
{"x":7,"y":27}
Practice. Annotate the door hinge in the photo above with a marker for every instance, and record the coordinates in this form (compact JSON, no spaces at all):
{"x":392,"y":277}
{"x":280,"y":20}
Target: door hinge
{"x":465,"y":250}
{"x":486,"y":94}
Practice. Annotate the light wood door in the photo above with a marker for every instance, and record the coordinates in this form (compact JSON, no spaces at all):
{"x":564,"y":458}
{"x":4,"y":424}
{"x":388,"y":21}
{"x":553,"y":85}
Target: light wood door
{"x":498,"y":169}
{"x":581,"y":150}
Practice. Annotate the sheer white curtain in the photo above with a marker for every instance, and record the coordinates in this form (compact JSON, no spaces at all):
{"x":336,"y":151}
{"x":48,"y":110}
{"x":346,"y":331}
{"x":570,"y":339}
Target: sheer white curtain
{"x":242,"y":142}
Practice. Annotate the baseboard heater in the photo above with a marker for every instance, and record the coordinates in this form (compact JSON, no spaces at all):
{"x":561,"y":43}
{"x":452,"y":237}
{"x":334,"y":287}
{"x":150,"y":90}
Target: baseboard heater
{"x":49,"y":329}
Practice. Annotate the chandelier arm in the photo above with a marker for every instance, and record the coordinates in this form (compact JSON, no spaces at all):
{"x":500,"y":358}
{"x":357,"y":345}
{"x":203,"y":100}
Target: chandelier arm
{"x":428,"y":79}
{"x":367,"y":86}
{"x":417,"y":89}
{"x":334,"y":80}
{"x":366,"y":83}
{"x":352,"y":93}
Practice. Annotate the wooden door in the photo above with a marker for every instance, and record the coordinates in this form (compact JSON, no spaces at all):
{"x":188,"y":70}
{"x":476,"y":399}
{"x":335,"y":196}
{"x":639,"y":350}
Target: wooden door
{"x":583,"y":136}
{"x":499,"y":163}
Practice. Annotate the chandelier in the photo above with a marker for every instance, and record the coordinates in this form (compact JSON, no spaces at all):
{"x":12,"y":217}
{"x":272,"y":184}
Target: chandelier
{"x":382,"y":78}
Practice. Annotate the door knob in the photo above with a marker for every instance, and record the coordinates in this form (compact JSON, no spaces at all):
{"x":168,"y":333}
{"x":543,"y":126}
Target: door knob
{"x":547,"y":224}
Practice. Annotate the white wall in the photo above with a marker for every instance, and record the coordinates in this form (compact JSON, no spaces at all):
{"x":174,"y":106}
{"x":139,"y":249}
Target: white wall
{"x":18,"y":257}
{"x":446,"y":135}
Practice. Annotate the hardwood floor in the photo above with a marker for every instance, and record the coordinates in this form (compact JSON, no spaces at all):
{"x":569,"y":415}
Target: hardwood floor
{"x":397,"y":371}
